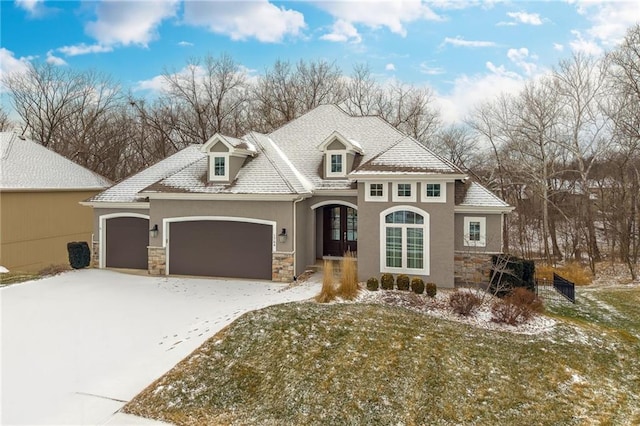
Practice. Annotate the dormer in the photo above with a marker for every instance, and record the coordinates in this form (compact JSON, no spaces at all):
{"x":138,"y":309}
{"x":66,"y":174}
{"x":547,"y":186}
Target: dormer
{"x":339,"y":155}
{"x":226,"y":156}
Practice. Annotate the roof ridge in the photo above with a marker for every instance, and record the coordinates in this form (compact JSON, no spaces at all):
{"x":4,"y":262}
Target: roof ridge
{"x":273,"y":163}
{"x":375,"y":157}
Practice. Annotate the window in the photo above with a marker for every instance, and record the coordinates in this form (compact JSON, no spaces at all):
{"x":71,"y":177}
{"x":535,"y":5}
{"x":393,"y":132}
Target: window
{"x":335,"y":164}
{"x":219,"y":166}
{"x":405,"y":245}
{"x":434,"y":192}
{"x":404,"y":191}
{"x":375,"y":191}
{"x":475,"y":231}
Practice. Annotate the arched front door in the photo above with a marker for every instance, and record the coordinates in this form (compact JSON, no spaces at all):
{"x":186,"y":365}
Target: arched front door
{"x":340,"y":230}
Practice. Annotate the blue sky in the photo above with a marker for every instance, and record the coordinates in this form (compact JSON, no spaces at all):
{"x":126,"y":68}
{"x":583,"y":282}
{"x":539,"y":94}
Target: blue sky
{"x":465,"y":51}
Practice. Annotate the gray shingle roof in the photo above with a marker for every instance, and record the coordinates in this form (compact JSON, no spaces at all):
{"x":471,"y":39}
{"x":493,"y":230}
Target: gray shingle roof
{"x":27,"y":165}
{"x":479,"y":196}
{"x":127,"y":190}
{"x":407,"y":156}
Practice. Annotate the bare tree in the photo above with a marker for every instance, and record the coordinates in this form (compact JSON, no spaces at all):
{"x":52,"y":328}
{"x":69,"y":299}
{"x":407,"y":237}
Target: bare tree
{"x":5,"y":122}
{"x":457,"y":144}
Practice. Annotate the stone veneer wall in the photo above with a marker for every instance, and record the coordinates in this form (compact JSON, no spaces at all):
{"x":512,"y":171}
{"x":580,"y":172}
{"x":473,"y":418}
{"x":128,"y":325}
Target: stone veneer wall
{"x":157,"y":260}
{"x":471,"y":268}
{"x":95,"y":254}
{"x":282,"y":267}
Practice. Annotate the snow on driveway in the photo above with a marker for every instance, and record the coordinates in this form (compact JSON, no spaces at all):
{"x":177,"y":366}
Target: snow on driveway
{"x":77,"y":346}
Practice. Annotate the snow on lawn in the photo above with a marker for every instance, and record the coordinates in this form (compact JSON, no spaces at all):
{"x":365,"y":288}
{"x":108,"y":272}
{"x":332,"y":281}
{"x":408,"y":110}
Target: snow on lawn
{"x":75,"y":347}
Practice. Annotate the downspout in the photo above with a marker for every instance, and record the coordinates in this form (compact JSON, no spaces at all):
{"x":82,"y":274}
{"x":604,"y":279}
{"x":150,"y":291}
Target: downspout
{"x":295,"y":235}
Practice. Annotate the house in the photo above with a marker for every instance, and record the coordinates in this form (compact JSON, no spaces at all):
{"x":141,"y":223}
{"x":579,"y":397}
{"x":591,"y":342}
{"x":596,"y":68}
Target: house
{"x":266,"y":206}
{"x":39,"y":212}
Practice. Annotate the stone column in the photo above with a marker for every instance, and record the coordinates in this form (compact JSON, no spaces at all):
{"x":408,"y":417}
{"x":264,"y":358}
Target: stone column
{"x":282,"y":267}
{"x":157,"y":260}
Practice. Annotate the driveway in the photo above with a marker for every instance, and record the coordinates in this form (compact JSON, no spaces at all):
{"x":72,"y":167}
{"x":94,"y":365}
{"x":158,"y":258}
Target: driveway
{"x":76,"y":347}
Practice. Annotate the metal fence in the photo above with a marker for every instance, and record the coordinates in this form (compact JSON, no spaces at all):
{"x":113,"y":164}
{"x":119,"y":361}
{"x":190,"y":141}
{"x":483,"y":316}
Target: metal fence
{"x":558,"y":289}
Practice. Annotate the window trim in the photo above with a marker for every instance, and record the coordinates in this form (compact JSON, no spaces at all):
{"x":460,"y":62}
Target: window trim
{"x":425,"y":226}
{"x":367,"y":192}
{"x":327,"y":163}
{"x":440,"y":199}
{"x":212,"y":167}
{"x":396,"y":198}
{"x":482,"y":242}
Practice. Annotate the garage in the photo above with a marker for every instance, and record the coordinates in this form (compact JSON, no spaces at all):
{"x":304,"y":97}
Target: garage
{"x":127,"y":239}
{"x":220,"y":249}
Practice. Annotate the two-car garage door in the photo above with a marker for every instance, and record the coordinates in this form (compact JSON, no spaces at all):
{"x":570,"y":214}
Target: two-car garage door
{"x":220,"y":249}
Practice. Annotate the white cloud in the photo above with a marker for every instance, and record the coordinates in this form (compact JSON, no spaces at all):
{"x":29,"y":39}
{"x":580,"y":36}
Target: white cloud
{"x":610,"y":21}
{"x":470,"y":91}
{"x":154,"y":84}
{"x":35,"y":8}
{"x":390,"y":67}
{"x":83,"y":49}
{"x":185,"y":44}
{"x":9,"y":64}
{"x":559,"y":47}
{"x":242,"y":20}
{"x":129,"y":22}
{"x":54,"y":60}
{"x":525,"y":18}
{"x":580,"y":44}
{"x":159,"y":82}
{"x":376,"y":14}
{"x":460,"y":42}
{"x":425,"y":68}
{"x":342,"y":31}
{"x":520,"y":56}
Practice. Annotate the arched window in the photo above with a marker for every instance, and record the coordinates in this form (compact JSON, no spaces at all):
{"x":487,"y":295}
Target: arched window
{"x":405,"y":241}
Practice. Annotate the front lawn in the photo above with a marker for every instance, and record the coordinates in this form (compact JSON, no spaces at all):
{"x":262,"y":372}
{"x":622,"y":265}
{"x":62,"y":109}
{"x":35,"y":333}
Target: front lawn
{"x":308,"y":363}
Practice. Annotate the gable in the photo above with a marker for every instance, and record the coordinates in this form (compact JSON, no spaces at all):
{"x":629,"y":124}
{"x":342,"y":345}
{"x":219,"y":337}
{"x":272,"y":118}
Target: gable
{"x":336,"y":146}
{"x":219,"y":147}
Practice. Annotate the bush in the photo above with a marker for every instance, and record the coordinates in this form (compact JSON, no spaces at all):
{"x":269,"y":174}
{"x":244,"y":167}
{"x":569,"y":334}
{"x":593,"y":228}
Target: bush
{"x":79,"y":254}
{"x":431,"y":289}
{"x":348,"y":287}
{"x":573,"y":271}
{"x":386,"y":281}
{"x":328,"y":291}
{"x":403,"y":282}
{"x":509,"y":272}
{"x":417,"y":285}
{"x":517,"y":307}
{"x":372,"y":284}
{"x":464,"y":302}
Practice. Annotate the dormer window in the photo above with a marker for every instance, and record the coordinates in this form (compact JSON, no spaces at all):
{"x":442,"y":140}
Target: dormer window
{"x":335,"y":161}
{"x":339,"y":155}
{"x":219,"y":167}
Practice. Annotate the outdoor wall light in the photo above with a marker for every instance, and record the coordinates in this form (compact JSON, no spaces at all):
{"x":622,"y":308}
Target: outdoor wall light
{"x":282,"y":236}
{"x":154,"y":231}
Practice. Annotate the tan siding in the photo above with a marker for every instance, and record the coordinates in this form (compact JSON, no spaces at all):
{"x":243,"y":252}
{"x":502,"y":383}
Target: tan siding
{"x":35,"y":227}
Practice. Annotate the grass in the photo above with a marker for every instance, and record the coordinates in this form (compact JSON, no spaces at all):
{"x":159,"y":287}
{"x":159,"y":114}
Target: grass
{"x":572,"y":271}
{"x":308,"y":363}
{"x":328,"y":290}
{"x":15,"y":277}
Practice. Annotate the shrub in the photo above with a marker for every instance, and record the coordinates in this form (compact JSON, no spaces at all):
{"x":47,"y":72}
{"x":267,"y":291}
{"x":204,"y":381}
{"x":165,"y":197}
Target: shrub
{"x":517,"y":307}
{"x":386,"y":281}
{"x":431,"y":289}
{"x":328,"y":291}
{"x":573,"y":271}
{"x":464,"y":302}
{"x":372,"y":284}
{"x":402,"y":281}
{"x":348,"y":287}
{"x":417,"y":285}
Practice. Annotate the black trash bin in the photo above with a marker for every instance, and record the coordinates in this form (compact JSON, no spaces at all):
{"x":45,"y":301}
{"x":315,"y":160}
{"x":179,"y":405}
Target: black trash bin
{"x":79,"y":254}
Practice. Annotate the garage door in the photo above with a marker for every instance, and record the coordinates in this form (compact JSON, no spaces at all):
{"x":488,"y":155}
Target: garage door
{"x":220,"y":249}
{"x":127,"y":241}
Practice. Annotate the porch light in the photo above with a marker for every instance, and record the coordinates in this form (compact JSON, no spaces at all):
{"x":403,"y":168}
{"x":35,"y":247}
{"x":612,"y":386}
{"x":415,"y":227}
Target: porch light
{"x":154,"y":231}
{"x":282,"y":236}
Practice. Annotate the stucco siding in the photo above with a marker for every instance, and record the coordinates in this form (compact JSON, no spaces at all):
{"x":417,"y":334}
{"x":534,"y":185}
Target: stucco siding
{"x":493,"y":239}
{"x":440,"y":245}
{"x":35,"y":227}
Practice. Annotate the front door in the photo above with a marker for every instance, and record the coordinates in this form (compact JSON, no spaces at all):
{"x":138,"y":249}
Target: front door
{"x":340,"y":224}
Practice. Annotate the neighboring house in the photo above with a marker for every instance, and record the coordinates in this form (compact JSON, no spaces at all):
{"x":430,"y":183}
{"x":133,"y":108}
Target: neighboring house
{"x":39,"y":210}
{"x":268,"y":206}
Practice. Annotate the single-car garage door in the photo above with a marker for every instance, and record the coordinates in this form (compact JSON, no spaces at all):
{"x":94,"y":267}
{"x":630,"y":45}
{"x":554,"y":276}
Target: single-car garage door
{"x":220,"y":249}
{"x":127,"y":241}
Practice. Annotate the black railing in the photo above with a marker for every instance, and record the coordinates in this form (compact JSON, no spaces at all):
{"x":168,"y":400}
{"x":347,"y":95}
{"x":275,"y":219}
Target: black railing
{"x":564,"y":287}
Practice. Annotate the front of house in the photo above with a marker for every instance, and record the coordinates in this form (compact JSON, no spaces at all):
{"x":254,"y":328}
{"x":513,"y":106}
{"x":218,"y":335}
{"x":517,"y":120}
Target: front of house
{"x":268,"y":206}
